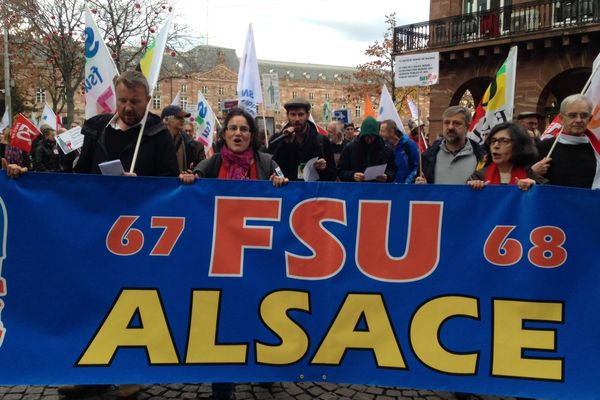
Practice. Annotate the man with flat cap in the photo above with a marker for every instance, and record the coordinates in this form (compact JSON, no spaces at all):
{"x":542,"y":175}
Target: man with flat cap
{"x":174,"y":118}
{"x":298,"y":142}
{"x":530,"y":120}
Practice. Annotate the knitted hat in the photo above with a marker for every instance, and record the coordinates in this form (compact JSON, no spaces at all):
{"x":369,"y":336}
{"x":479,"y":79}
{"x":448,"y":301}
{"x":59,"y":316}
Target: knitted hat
{"x":370,"y":126}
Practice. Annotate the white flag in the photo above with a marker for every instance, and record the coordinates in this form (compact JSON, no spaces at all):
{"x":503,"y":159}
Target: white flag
{"x":5,"y":120}
{"x":205,"y":118}
{"x":48,"y":117}
{"x":387,"y":109}
{"x":100,"y":70}
{"x":176,"y":99}
{"x":414,"y":111}
{"x":248,"y":86}
{"x":152,"y":59}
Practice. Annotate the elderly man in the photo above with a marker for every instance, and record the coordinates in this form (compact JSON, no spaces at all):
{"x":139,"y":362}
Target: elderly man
{"x":530,"y":121}
{"x":298,"y":142}
{"x":174,"y":119}
{"x":574,"y":160}
{"x":453,"y":159}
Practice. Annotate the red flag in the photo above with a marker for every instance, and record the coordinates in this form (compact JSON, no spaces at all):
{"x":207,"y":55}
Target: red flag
{"x":320,"y":129}
{"x":23,"y":133}
{"x":553,"y":129}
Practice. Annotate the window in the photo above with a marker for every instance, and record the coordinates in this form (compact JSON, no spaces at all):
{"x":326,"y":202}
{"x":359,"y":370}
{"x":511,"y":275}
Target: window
{"x":183,"y":88}
{"x":204,"y":89}
{"x":311,"y":96}
{"x":221,"y":90}
{"x":157,"y":87}
{"x":40,"y":95}
{"x":294,"y":95}
{"x":183,"y":102}
{"x":357,"y":111}
{"x":326,"y":96}
{"x":156,"y":101}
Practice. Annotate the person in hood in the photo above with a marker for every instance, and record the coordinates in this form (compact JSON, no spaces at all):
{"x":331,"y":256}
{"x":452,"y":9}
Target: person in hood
{"x":367,"y":150}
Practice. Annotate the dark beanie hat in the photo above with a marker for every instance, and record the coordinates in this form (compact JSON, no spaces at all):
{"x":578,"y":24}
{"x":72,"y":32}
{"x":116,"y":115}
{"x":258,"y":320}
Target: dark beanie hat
{"x":370,"y":126}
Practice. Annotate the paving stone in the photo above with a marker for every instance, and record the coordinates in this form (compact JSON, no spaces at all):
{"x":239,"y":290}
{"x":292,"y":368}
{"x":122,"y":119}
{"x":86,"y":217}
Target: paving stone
{"x":328,"y":396}
{"x":18,"y":389}
{"x":283,"y":396}
{"x":304,"y":396}
{"x":188,"y":395}
{"x":190,"y":388}
{"x":374,"y":390}
{"x":294,"y":390}
{"x":12,"y":396}
{"x":358,"y":388}
{"x":410,"y":393}
{"x":50,"y":397}
{"x":171,"y":394}
{"x":433,"y":397}
{"x":156,"y":390}
{"x":328,"y":386}
{"x":346,"y":392}
{"x":35,"y":389}
{"x":316,"y":391}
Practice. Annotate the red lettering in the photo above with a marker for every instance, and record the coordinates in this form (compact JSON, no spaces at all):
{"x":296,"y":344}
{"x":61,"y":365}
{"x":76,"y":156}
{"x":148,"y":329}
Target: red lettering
{"x":422,"y":251}
{"x":173,"y":229}
{"x":499,"y":249}
{"x":547,"y":251}
{"x":329,"y":254}
{"x":231,"y":235}
{"x":122,"y":239}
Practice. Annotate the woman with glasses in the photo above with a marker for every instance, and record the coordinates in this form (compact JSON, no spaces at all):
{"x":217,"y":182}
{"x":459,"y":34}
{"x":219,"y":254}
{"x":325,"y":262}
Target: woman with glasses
{"x":510,"y":152}
{"x":237,"y":155}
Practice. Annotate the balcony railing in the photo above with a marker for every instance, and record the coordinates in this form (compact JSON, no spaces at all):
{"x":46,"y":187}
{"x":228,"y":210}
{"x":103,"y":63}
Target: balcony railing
{"x":525,"y":18}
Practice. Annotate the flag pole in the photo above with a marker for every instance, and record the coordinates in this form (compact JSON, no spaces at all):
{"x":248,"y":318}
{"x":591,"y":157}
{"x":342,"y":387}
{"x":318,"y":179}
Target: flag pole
{"x":419,"y":132}
{"x":585,"y":88}
{"x":264,"y":118}
{"x":7,"y":97}
{"x":139,"y":138}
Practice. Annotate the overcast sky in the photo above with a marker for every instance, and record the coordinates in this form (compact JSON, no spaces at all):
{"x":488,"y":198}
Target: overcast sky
{"x":333,"y":32}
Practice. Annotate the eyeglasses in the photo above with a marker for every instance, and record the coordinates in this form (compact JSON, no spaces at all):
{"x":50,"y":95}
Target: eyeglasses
{"x":243,"y":129}
{"x":500,"y":141}
{"x":582,"y":115}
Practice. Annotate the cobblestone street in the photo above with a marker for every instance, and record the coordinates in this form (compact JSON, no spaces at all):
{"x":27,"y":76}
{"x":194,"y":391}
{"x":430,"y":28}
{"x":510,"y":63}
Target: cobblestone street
{"x":247,"y":391}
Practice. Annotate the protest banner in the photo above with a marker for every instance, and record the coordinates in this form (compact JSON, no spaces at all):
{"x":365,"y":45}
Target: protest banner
{"x":70,"y":140}
{"x":339,"y":282}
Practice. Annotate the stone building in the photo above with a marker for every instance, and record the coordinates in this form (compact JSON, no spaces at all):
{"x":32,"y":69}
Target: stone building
{"x":557,"y":39}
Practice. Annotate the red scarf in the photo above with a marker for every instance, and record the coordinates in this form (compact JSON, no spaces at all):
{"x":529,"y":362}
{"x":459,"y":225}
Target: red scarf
{"x":492,"y":175}
{"x":236,"y":165}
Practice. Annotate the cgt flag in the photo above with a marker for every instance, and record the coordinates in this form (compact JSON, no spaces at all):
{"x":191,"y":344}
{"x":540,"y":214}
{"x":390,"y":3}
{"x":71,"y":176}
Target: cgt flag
{"x":248,"y":85}
{"x":23,"y":133}
{"x":100,"y":70}
{"x":497,"y":103}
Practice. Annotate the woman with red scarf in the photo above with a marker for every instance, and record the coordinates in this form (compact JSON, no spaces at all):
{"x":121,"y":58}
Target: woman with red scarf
{"x":511,"y":152}
{"x":237,"y":154}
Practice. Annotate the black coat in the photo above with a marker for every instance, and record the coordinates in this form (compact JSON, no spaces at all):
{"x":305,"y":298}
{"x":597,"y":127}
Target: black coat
{"x":290,"y":155}
{"x":357,"y":156}
{"x":156,"y":156}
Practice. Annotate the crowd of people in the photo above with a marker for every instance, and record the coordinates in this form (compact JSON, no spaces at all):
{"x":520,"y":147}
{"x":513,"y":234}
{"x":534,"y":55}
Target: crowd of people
{"x":511,"y":154}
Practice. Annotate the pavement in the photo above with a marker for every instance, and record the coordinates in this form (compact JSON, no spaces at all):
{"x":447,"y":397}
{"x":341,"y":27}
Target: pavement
{"x":251,"y":391}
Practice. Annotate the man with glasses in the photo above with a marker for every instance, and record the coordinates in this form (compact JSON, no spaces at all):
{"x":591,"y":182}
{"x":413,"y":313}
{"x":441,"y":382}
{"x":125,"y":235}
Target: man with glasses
{"x":453,"y":159}
{"x":573,"y":161}
{"x":174,"y":118}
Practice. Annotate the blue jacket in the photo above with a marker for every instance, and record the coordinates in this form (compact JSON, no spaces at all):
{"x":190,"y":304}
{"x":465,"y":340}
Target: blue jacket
{"x":407,"y":160}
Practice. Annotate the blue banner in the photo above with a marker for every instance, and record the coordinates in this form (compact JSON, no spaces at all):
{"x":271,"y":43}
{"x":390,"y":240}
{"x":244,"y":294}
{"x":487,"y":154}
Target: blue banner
{"x":141,"y":280}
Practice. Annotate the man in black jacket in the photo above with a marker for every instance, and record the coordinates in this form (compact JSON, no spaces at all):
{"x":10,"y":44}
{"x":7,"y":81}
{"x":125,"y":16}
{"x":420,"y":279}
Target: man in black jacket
{"x":110,"y":137}
{"x":299,"y":142}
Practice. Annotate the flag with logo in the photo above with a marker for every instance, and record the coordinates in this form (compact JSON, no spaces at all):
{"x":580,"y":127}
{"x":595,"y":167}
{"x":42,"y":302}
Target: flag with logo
{"x":205,"y":118}
{"x":248,"y":85}
{"x":23,"y":133}
{"x":387,"y":109}
{"x":152,"y":59}
{"x":5,"y":122}
{"x":498,"y":101}
{"x":99,"y":71}
{"x":48,"y":117}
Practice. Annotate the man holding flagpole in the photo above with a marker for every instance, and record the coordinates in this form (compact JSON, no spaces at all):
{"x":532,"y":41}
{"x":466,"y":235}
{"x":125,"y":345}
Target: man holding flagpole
{"x":113,"y":136}
{"x":575,"y":160}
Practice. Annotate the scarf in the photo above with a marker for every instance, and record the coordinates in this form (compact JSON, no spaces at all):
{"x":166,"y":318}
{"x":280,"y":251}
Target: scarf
{"x":237,"y":165}
{"x":492,"y":174}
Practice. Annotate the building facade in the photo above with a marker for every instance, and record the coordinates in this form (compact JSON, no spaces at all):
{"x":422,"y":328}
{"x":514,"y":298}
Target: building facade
{"x":557,"y":39}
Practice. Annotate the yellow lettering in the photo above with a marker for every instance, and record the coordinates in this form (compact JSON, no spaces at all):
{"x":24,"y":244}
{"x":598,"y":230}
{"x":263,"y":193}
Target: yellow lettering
{"x":424,"y":334}
{"x":294,"y":341}
{"x":511,"y":339}
{"x":153,"y":332}
{"x":202,"y":341}
{"x":378,"y":335}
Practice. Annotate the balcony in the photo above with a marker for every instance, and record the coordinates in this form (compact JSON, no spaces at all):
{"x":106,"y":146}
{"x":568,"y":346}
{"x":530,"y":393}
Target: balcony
{"x":505,"y":22}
